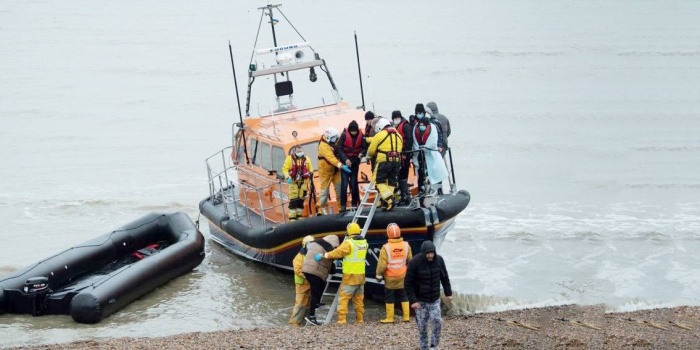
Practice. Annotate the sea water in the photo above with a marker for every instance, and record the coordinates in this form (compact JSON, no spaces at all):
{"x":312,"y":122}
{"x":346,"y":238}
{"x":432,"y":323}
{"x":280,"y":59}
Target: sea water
{"x":575,"y":127}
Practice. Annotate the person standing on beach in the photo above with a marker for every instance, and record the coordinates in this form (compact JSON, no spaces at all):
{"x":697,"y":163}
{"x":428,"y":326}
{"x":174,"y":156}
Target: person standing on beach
{"x":426,"y":271}
{"x":353,"y":251}
{"x":316,"y":272}
{"x":302,"y":302}
{"x":391,"y":267}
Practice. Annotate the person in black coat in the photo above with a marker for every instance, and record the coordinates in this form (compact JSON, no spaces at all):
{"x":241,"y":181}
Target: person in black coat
{"x":426,"y":271}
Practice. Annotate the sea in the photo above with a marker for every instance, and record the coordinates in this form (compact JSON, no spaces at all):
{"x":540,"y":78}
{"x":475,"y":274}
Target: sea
{"x":575,"y":128}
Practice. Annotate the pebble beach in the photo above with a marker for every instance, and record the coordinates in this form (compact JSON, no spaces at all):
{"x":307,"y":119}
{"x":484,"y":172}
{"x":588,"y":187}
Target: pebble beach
{"x":559,"y":327}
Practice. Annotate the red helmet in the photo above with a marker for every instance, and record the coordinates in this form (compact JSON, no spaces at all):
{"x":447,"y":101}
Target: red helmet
{"x":393,"y":231}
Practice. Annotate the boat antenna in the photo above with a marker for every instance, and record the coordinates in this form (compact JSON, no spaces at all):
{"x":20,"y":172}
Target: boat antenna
{"x":238,"y":100}
{"x":359,"y":70}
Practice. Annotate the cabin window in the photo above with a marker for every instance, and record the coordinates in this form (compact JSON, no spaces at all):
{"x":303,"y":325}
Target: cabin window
{"x":265,"y":160}
{"x":278,"y":158}
{"x":239,"y":154}
{"x":254,"y":158}
{"x":311,"y":151}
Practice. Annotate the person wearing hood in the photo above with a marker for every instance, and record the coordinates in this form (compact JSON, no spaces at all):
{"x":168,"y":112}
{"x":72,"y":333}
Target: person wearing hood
{"x":426,"y":272}
{"x":405,"y":129}
{"x":353,"y":251}
{"x":302,"y":302}
{"x":444,"y":124}
{"x":297,"y":171}
{"x":316,"y":272}
{"x":351,"y":146}
{"x":391,"y":267}
{"x":369,"y":128}
{"x":429,"y":160}
{"x":386,"y":149}
{"x":421,"y":112}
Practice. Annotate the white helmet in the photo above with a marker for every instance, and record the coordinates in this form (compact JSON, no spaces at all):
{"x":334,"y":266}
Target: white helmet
{"x":330,"y":135}
{"x":381,"y":124}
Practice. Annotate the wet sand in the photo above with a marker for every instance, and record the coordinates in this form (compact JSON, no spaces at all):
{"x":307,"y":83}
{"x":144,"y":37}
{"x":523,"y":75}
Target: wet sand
{"x":562,"y":327}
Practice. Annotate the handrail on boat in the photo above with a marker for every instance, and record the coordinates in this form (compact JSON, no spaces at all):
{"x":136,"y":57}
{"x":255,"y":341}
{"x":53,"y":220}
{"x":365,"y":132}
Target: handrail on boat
{"x":222,"y":187}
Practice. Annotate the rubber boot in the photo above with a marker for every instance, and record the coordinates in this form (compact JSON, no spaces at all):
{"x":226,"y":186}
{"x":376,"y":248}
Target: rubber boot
{"x":360,"y":317}
{"x":389,"y":314}
{"x":405,"y":308}
{"x":342,"y":319}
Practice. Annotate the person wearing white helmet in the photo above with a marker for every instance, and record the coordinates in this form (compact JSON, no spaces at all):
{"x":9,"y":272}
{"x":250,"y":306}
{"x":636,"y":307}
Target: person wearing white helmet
{"x":329,"y":167}
{"x":302,"y":302}
{"x":385,"y":148}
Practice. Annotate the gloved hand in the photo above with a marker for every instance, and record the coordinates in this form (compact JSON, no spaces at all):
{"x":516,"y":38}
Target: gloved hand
{"x":346,"y":169}
{"x":379,"y":278}
{"x":363,"y":160}
{"x":318,"y":257}
{"x":289,"y":180}
{"x":307,"y":175}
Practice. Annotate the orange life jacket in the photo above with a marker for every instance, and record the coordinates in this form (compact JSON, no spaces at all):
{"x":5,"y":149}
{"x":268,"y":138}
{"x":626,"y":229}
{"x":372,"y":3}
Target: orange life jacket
{"x":397,"y":253}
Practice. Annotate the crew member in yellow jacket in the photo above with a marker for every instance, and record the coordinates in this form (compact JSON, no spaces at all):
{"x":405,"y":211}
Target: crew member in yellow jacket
{"x":386,"y":148}
{"x":392,"y":265}
{"x":297,"y":171}
{"x":302,"y":302}
{"x":329,"y":167}
{"x":353,"y":251}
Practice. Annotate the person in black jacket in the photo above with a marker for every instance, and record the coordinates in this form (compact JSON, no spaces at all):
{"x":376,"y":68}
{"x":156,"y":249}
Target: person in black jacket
{"x":426,"y":271}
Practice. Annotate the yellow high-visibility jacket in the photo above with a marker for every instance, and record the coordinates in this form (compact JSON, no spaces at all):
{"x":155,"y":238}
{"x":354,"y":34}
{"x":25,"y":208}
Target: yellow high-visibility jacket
{"x":384,"y":142}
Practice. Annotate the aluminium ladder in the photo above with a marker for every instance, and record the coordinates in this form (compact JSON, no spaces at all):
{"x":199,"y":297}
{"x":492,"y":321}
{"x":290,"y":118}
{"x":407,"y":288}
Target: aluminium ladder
{"x":364,"y":204}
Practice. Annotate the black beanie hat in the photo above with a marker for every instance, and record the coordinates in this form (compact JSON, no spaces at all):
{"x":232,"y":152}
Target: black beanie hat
{"x":396,"y":114}
{"x":420,"y":108}
{"x":369,"y":115}
{"x":353,"y":126}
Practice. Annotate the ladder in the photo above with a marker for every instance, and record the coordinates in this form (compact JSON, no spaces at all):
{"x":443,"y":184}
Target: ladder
{"x":338,"y":277}
{"x":364,"y":204}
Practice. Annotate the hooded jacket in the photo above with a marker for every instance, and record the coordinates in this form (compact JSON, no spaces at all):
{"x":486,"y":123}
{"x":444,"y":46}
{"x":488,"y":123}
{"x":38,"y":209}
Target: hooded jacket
{"x":323,"y":267}
{"x":442,"y":119}
{"x":423,"y":277}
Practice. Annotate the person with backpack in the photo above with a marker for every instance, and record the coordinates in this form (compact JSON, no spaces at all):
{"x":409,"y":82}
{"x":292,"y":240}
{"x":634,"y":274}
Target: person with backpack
{"x":316,"y":271}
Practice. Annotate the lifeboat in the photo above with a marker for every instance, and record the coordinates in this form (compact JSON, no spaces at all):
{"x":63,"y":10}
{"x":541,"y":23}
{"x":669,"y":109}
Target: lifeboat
{"x":248,"y":200}
{"x":95,"y":279}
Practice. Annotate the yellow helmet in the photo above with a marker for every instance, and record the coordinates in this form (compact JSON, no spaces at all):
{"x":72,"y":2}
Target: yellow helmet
{"x":353,"y":229}
{"x":306,"y":240}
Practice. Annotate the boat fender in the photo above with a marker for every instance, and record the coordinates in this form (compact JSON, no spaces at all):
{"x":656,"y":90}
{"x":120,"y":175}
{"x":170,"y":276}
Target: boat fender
{"x":428,"y":221}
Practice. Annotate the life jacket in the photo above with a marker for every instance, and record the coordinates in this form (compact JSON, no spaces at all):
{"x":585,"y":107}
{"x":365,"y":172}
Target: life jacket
{"x":394,"y":155}
{"x":368,"y":129}
{"x":354,"y":263}
{"x":352,"y":149}
{"x":400,"y":128}
{"x":396,"y":258}
{"x":416,"y":134}
{"x":298,"y":166}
